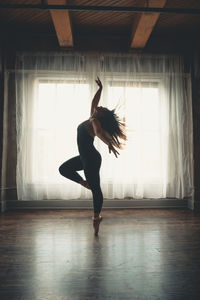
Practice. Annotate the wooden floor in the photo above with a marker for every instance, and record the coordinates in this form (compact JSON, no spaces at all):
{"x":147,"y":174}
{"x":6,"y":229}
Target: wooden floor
{"x":139,"y":254}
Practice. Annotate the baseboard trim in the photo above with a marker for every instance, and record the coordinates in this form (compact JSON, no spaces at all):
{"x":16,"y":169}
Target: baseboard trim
{"x":87,"y":204}
{"x":2,"y":206}
{"x":191,"y":204}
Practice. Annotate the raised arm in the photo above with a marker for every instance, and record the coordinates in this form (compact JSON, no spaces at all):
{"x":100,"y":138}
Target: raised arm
{"x":95,"y":100}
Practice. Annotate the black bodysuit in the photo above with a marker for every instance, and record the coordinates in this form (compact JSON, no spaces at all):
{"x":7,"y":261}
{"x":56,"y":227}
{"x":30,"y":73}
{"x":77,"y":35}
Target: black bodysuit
{"x":89,"y":160}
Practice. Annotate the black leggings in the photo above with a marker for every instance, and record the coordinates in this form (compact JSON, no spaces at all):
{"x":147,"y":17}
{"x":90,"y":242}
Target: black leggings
{"x":91,"y":169}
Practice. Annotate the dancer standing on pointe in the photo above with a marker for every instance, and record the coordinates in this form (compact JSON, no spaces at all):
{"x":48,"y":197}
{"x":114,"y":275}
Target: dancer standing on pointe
{"x":104,"y":124}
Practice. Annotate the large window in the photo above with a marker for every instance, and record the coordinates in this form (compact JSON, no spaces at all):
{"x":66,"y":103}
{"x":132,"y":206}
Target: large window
{"x":151,"y":93}
{"x":140,"y":106}
{"x":61,"y":105}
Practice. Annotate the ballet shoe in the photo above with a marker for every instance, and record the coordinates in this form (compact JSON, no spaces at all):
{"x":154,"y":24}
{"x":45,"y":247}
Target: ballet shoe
{"x":96,"y":223}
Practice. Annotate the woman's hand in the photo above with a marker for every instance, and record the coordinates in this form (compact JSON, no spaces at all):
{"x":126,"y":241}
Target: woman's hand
{"x":112,"y":149}
{"x":98,"y":81}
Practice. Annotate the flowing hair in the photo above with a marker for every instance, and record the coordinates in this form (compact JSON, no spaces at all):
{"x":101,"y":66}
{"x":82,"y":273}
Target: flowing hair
{"x":112,"y":124}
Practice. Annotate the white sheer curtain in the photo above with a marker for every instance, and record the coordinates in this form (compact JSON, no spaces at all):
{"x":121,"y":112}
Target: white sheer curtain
{"x":151,"y":93}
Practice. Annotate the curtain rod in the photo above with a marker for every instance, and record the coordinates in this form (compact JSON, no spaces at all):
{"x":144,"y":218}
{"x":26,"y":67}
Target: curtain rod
{"x":103,"y":8}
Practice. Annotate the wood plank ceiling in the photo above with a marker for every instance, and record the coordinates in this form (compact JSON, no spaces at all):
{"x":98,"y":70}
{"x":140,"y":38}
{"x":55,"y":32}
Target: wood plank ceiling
{"x":70,"y":27}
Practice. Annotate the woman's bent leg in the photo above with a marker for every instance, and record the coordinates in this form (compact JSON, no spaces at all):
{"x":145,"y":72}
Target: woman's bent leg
{"x":68,"y":169}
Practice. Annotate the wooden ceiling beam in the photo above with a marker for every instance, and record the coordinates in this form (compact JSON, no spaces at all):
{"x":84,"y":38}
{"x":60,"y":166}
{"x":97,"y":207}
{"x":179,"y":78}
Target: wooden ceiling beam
{"x":144,"y":24}
{"x":62,"y":24}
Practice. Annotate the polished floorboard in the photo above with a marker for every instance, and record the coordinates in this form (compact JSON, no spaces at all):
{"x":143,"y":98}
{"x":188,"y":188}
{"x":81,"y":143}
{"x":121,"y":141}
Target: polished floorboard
{"x":146,"y":254}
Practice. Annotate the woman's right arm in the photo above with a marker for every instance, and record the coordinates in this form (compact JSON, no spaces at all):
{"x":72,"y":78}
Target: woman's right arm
{"x":97,"y":96}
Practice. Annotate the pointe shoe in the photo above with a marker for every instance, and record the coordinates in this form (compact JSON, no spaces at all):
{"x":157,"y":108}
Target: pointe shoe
{"x":96,"y":223}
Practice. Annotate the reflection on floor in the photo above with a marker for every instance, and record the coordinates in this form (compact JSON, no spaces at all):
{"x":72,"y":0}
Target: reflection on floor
{"x":139,"y":254}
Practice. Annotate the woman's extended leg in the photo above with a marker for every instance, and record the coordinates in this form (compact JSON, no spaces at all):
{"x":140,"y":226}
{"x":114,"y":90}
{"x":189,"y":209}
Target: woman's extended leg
{"x":69,"y":169}
{"x":91,"y":169}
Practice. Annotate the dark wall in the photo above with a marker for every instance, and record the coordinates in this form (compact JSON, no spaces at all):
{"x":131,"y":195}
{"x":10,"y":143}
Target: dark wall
{"x":11,"y":192}
{"x":1,"y":108}
{"x":170,"y":44}
{"x":196,"y":123}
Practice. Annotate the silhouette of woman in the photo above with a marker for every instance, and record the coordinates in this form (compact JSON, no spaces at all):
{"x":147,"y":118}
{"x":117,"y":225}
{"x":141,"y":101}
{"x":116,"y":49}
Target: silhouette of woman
{"x":104,"y":124}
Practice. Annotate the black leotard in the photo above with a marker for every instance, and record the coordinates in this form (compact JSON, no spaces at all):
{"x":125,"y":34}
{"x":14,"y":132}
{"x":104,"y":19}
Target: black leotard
{"x":89,"y":160}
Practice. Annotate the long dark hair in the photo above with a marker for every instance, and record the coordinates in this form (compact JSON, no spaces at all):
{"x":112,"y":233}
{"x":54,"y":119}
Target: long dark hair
{"x":111,"y":123}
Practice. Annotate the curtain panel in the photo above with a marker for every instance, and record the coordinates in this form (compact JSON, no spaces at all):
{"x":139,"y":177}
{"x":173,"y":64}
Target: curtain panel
{"x":151,"y":94}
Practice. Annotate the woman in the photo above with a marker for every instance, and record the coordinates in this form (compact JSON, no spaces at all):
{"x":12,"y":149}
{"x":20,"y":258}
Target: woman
{"x":104,"y":124}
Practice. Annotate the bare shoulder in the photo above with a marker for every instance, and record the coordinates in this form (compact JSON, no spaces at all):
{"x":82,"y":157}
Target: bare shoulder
{"x":96,"y":125}
{"x":89,"y":127}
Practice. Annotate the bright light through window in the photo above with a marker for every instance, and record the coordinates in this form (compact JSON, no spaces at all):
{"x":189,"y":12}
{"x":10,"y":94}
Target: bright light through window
{"x":141,"y":110}
{"x":59,"y":108}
